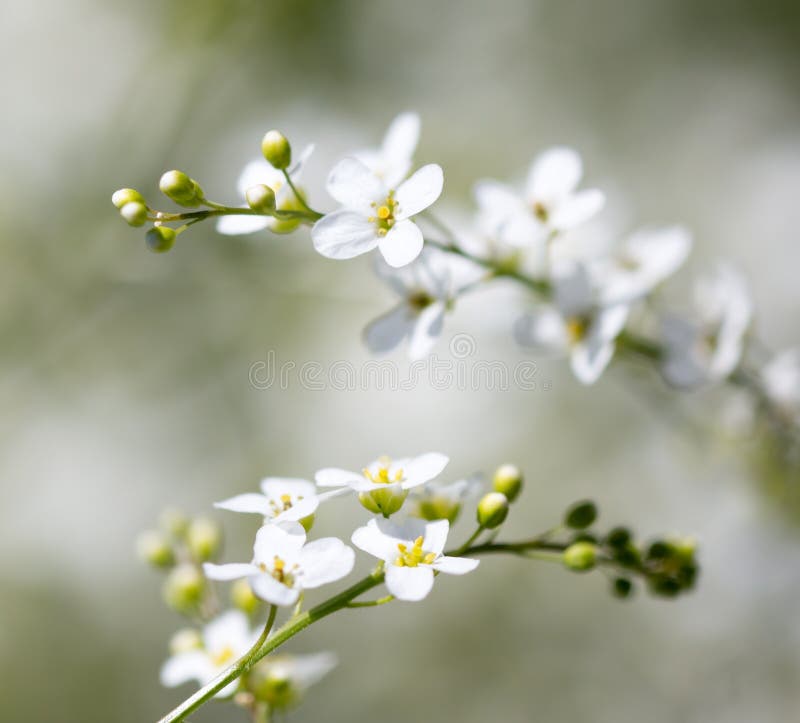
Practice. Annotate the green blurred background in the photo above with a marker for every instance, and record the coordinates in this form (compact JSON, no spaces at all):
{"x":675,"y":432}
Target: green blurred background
{"x":125,"y":375}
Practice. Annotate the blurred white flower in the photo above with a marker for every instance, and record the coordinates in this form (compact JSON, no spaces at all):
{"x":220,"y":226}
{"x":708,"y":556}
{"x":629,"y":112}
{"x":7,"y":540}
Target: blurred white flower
{"x":412,"y":552}
{"x":384,"y":473}
{"x":577,"y":324}
{"x":282,"y":680}
{"x":223,"y":641}
{"x":283,"y":564}
{"x":709,"y":346}
{"x":282,"y":500}
{"x":549,"y":203}
{"x":392,"y":161}
{"x":438,"y":501}
{"x":375,"y":214}
{"x":426,"y":287}
{"x":780,"y":379}
{"x":256,"y":172}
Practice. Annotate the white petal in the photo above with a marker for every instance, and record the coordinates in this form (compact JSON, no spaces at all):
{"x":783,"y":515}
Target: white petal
{"x":230,"y":629}
{"x":284,"y":540}
{"x":355,"y":186}
{"x":543,"y":330}
{"x":409,"y":583}
{"x":296,"y":170}
{"x":497,"y":198}
{"x":239,"y":225}
{"x":609,"y":322}
{"x":333,"y":477}
{"x":424,"y":468}
{"x":267,"y":588}
{"x":401,"y":138}
{"x":374,"y":542}
{"x":385,"y":333}
{"x":455,"y":565}
{"x":256,"y":172}
{"x":181,"y":668}
{"x":248,"y":502}
{"x":554,"y":173}
{"x":426,"y":330}
{"x":308,"y":669}
{"x":230,"y":571}
{"x":401,"y":245}
{"x":588,"y":360}
{"x":436,"y":536}
{"x":577,"y":209}
{"x":419,"y":191}
{"x":325,"y":560}
{"x":573,"y":287}
{"x":344,"y":235}
{"x":276,"y":487}
{"x":522,"y":230}
{"x":299,"y":509}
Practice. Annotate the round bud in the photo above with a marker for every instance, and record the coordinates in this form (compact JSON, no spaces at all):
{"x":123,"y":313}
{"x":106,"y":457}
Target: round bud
{"x":177,"y":186}
{"x":580,"y":557}
{"x":134,"y":213}
{"x":184,"y":588}
{"x":659,"y":550}
{"x":492,"y":510}
{"x":160,"y":239}
{"x":153,"y":547}
{"x":385,"y":501}
{"x":204,"y":539}
{"x":684,"y":548}
{"x":127,"y":195}
{"x":185,"y":640}
{"x":174,"y":522}
{"x":622,"y":588}
{"x":260,"y":198}
{"x":619,"y":537}
{"x":242,"y":597}
{"x":581,"y":515}
{"x":270,"y":682}
{"x":438,"y":507}
{"x":276,"y":149}
{"x":508,"y":480}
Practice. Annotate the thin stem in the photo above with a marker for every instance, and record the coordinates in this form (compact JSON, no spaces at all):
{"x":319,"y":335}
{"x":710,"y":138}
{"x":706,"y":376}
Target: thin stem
{"x":299,"y":197}
{"x":371,"y":603}
{"x":474,"y":536}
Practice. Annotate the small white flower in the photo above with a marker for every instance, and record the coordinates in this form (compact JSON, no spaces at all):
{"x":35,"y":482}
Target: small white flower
{"x":577,"y":325}
{"x":412,"y":553}
{"x":385,"y":473}
{"x":550,"y":203}
{"x":392,"y":161}
{"x":780,"y":379}
{"x":708,"y":348}
{"x":437,"y":501}
{"x":646,"y":259}
{"x":283,"y":564}
{"x":259,"y":171}
{"x":375,"y":214}
{"x":427,"y":288}
{"x":282,"y":680}
{"x":283,"y":500}
{"x":224,"y":640}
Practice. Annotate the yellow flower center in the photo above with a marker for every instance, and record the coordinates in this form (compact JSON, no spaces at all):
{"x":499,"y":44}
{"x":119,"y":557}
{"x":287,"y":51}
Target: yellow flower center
{"x":283,"y":503}
{"x":279,"y":571}
{"x":420,"y":300}
{"x":576,"y":329}
{"x":415,"y":556}
{"x":384,"y":214}
{"x":540,"y":211}
{"x":223,"y":656}
{"x":382,"y":475}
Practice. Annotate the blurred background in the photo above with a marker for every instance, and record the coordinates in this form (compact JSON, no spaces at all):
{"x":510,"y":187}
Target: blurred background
{"x":126,"y":376}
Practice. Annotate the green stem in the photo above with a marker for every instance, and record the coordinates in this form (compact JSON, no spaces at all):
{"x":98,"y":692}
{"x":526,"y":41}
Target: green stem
{"x":371,"y":603}
{"x":474,"y":536}
{"x":299,"y":197}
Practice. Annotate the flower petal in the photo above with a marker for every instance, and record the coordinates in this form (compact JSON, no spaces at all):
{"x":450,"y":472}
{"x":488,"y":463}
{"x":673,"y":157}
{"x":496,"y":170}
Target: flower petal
{"x":355,"y":186}
{"x":554,"y":173}
{"x":371,"y":540}
{"x":543,"y":329}
{"x":258,"y":171}
{"x":334,"y":477}
{"x":401,"y":138}
{"x":401,"y":245}
{"x":267,"y":588}
{"x":427,"y":330}
{"x":436,"y":536}
{"x":424,"y":468}
{"x":589,"y":360}
{"x":409,"y":583}
{"x":239,"y":225}
{"x":455,"y":565}
{"x":325,"y":560}
{"x":344,"y":235}
{"x":385,"y":333}
{"x":276,"y":487}
{"x":577,"y":209}
{"x":229,"y":571}
{"x":181,"y":668}
{"x":419,"y":191}
{"x":284,"y":540}
{"x":248,"y":502}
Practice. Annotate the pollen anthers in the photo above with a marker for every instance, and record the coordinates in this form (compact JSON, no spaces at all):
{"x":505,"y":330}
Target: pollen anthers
{"x":382,"y":475}
{"x":415,"y":556}
{"x":577,"y":327}
{"x":283,"y":504}
{"x":279,"y":571}
{"x":384,"y":217}
{"x":541,"y":211}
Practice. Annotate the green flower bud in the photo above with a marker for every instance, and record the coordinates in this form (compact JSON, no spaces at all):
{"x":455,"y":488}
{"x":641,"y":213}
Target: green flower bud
{"x":581,"y":515}
{"x":184,"y":588}
{"x":153,"y":547}
{"x":659,"y":550}
{"x":204,"y":539}
{"x":492,"y":510}
{"x":260,"y":198}
{"x":268,"y":682}
{"x":385,"y":501}
{"x":174,"y":522}
{"x":276,"y":149}
{"x":508,"y":480}
{"x":127,"y":195}
{"x":664,"y":586}
{"x":134,"y":213}
{"x":622,"y":588}
{"x":242,"y":597}
{"x":684,"y":548}
{"x":160,"y":239}
{"x":185,"y":640}
{"x":619,"y":537}
{"x":177,"y":186}
{"x":438,"y":508}
{"x":580,"y":557}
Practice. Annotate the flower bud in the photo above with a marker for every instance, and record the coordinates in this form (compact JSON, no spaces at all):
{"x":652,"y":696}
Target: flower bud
{"x":581,"y":515}
{"x":580,"y":556}
{"x":153,"y":547}
{"x":134,"y":213}
{"x":160,"y":239}
{"x":174,"y":522}
{"x":184,"y":588}
{"x":204,"y":539}
{"x":385,"y":501}
{"x":185,"y":640}
{"x":619,"y":537}
{"x":242,"y":597}
{"x":508,"y":480}
{"x":438,"y":507}
{"x":177,"y":186}
{"x":276,"y":150}
{"x":260,"y":198}
{"x":270,"y":682}
{"x":127,"y":195}
{"x":492,"y":510}
{"x":622,"y":588}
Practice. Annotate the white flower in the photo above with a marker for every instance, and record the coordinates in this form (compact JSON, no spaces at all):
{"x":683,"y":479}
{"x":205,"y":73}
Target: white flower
{"x":577,"y":324}
{"x":385,"y":473}
{"x":282,"y":680}
{"x":392,"y":161}
{"x":708,"y":348}
{"x":427,"y":287}
{"x":283,"y":564}
{"x":437,"y":501}
{"x":550,"y":203}
{"x":780,"y":379}
{"x":283,"y":500}
{"x":647,"y":258}
{"x":412,"y":553}
{"x":224,"y":640}
{"x":375,"y":214}
{"x":259,"y":171}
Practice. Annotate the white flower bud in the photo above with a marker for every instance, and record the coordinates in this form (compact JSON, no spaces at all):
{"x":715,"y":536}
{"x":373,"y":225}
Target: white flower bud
{"x":134,"y":213}
{"x":492,"y":510}
{"x":276,"y":149}
{"x":204,"y":539}
{"x":260,"y":198}
{"x":184,"y":588}
{"x":177,"y":186}
{"x":160,"y":239}
{"x":508,"y":480}
{"x":153,"y":547}
{"x":127,"y":195}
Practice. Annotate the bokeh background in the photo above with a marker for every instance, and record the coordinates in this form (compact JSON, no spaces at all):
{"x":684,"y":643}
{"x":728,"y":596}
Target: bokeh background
{"x":125,"y":375}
